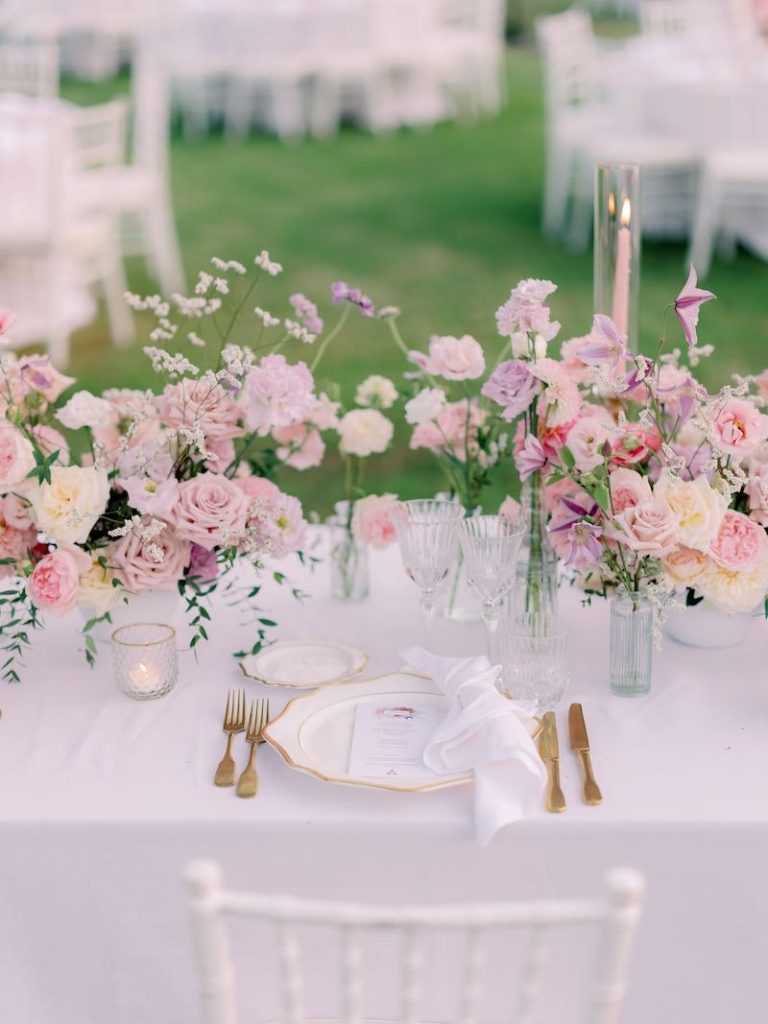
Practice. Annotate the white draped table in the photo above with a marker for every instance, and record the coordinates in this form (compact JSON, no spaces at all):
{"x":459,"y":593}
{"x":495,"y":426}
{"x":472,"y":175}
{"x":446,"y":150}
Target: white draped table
{"x":103,"y":799}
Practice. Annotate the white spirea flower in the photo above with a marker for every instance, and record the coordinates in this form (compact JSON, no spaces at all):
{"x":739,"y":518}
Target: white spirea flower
{"x":376,"y":391}
{"x":226,"y":265}
{"x":364,"y":432}
{"x":67,"y":508}
{"x":298,"y":331}
{"x":195,"y":339}
{"x":266,"y":318}
{"x":269,"y":266}
{"x":85,"y":410}
{"x":425,"y":407}
{"x":167,"y":362}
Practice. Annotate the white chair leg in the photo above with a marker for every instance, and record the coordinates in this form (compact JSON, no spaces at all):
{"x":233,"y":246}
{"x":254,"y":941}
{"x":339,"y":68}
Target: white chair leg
{"x":558,"y":162}
{"x":162,"y":244}
{"x":579,"y":231}
{"x":59,"y":348}
{"x":115,"y":287}
{"x":705,"y":224}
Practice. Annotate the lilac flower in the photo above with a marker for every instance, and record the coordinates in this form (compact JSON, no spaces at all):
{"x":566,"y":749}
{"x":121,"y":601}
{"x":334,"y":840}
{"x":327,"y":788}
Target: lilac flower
{"x":306,"y":311}
{"x":682,"y":398}
{"x":512,"y":385}
{"x":609,"y":344}
{"x":341,"y":292}
{"x":687,"y":306}
{"x":530,"y":458}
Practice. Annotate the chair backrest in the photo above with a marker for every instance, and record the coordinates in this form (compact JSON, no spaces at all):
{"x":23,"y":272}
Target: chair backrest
{"x":29,"y":68}
{"x":571,"y":60}
{"x":98,"y":135}
{"x":614,"y":916}
{"x":31,"y":179}
{"x":151,"y":109}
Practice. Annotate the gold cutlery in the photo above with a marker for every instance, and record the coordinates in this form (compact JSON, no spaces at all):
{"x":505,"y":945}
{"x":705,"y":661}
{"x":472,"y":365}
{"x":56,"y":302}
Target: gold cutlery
{"x":248,"y":783}
{"x":577,"y":730}
{"x":234,"y":721}
{"x":549,"y":749}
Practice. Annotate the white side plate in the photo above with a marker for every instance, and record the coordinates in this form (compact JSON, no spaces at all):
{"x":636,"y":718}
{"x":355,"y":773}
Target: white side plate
{"x":305,"y":664}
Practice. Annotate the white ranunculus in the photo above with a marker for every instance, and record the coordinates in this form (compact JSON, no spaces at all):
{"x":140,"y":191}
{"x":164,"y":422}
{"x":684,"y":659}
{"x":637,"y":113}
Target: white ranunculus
{"x":364,"y":432}
{"x":425,"y":407}
{"x":85,"y":410}
{"x":698,"y":506}
{"x":67,"y":508}
{"x":376,"y":391}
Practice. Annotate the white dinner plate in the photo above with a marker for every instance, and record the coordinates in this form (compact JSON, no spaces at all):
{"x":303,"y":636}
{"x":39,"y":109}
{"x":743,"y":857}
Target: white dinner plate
{"x":305,"y":664}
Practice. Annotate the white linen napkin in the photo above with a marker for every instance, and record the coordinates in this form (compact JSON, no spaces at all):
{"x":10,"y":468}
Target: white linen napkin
{"x":485,"y":733}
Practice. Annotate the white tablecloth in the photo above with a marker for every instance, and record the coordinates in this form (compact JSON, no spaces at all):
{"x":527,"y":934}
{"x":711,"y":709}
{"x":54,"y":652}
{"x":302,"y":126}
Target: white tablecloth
{"x":102,"y":800}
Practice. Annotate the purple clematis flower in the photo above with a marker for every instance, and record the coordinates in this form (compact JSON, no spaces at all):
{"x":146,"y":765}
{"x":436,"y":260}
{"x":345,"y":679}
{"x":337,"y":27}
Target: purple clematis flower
{"x":687,"y":306}
{"x":341,"y":292}
{"x":584,"y":548}
{"x":530,"y":458}
{"x":609,"y":345}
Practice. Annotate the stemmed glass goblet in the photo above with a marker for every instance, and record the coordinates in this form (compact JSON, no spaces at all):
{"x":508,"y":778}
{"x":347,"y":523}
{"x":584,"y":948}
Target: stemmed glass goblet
{"x":490,"y":545}
{"x":428,"y":534}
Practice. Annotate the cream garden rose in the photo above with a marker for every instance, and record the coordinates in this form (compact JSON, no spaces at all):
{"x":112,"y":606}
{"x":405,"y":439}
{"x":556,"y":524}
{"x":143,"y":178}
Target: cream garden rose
{"x":698,"y":506}
{"x":66,"y":509}
{"x":364,"y":432}
{"x":96,"y":590}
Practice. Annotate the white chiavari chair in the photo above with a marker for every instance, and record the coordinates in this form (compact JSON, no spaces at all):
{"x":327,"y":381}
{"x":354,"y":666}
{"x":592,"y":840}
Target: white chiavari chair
{"x":611,"y":920}
{"x":29,"y":68}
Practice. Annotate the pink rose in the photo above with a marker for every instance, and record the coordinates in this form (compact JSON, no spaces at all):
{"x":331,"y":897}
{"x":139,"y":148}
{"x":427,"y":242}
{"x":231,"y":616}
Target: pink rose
{"x":300,"y":446}
{"x":16,"y":457}
{"x":211,"y":510}
{"x":16,"y":511}
{"x":740,"y":542}
{"x":198,"y":403}
{"x":278,"y":393}
{"x":685,"y":565}
{"x":648,"y":529}
{"x":223,"y":450}
{"x":54,"y":582}
{"x":372,"y":520}
{"x":258,"y":487}
{"x":151,"y":498}
{"x":455,"y":358}
{"x":739,"y":427}
{"x":635,"y":445}
{"x":142,"y":562}
{"x":585,"y":441}
{"x":628,"y":489}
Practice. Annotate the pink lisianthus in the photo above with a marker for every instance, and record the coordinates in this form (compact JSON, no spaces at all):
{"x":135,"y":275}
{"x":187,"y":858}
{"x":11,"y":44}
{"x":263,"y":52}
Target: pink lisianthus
{"x":585,"y":441}
{"x":740,"y":542}
{"x":628,"y":489}
{"x":372,"y":520}
{"x":16,"y":457}
{"x":526,"y":311}
{"x":635,"y":445}
{"x":211,"y":511}
{"x":39,"y":374}
{"x":513,"y":386}
{"x":454,"y":430}
{"x":276,"y":519}
{"x":203,"y":564}
{"x":301,"y":447}
{"x":455,"y":358}
{"x":739,"y":427}
{"x":144,"y":562}
{"x":560,"y":400}
{"x":278,"y":394}
{"x":54,"y":582}
{"x":151,"y":498}
{"x":201,"y":404}
{"x":649,"y":529}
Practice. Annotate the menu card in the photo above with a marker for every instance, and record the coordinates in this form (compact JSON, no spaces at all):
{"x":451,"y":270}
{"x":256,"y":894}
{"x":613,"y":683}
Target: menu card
{"x":388,"y":740}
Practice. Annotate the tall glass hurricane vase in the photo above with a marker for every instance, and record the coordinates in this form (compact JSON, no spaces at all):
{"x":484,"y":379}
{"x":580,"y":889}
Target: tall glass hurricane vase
{"x":428,"y":534}
{"x":632,"y":618}
{"x":536,"y":582}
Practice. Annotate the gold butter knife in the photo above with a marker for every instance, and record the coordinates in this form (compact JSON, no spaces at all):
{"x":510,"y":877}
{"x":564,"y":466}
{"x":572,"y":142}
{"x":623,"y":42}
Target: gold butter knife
{"x":577,"y":730}
{"x":549,"y":749}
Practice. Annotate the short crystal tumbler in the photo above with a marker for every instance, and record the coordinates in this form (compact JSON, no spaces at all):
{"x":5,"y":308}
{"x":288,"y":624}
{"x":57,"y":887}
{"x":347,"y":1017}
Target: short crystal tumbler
{"x":145,"y":660}
{"x":533,"y":651}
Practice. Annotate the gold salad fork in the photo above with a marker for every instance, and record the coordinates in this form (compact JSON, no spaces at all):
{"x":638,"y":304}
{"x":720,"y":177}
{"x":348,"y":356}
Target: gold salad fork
{"x":234,"y":721}
{"x":248,"y":783}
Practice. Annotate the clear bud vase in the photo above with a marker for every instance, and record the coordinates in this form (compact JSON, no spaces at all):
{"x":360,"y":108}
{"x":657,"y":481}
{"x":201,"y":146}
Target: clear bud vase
{"x":349,"y":558}
{"x":536,"y":576}
{"x":632,"y":619}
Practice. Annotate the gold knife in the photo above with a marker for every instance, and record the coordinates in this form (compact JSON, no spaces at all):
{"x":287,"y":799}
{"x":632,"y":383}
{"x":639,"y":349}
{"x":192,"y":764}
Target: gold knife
{"x":549,"y":749}
{"x":577,"y":731}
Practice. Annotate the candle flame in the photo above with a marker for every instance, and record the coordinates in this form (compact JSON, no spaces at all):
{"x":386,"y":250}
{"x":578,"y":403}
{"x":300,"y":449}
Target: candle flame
{"x":611,"y":204}
{"x":626,"y":213}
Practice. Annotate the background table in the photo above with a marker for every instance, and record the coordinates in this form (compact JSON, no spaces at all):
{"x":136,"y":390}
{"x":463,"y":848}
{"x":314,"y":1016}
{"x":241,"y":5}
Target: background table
{"x":102,"y":800}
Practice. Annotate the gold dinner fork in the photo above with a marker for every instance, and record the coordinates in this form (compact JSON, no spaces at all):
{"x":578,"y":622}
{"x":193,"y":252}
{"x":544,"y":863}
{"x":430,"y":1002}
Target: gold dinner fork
{"x":234,"y":721}
{"x":248,"y":783}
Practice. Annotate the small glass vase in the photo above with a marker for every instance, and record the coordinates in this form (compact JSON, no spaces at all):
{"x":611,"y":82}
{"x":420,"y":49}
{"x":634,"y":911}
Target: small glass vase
{"x":145,"y":661}
{"x":536,"y":578}
{"x":349,"y":558}
{"x":631,"y":663}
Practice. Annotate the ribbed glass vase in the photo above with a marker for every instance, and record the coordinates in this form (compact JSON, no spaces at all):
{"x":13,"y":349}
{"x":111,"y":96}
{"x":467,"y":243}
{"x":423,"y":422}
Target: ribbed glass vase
{"x":631,"y":645}
{"x":536,"y":579}
{"x":349,"y":559}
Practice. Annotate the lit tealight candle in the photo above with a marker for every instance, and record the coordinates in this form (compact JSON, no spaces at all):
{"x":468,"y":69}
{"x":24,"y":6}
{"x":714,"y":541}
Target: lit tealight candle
{"x":144,"y":677}
{"x":620,"y":310}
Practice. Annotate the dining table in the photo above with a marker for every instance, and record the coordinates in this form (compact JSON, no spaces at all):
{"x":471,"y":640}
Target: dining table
{"x":104,"y":799}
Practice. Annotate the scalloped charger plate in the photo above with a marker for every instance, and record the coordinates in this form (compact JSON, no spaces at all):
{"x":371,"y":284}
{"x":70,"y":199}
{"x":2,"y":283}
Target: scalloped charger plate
{"x":305,"y":664}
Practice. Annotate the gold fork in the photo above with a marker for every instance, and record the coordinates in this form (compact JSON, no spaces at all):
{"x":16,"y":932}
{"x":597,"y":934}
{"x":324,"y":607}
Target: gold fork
{"x":234,"y":721}
{"x":248,"y":783}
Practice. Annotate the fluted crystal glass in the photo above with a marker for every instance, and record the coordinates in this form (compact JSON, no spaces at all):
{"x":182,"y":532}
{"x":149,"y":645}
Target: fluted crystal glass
{"x":533,"y":652}
{"x":145,"y":660}
{"x":428,"y":534}
{"x":631,"y":663}
{"x":490,"y":545}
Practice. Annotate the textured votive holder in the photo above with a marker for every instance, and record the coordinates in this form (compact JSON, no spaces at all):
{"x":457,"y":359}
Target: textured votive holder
{"x":145,"y":661}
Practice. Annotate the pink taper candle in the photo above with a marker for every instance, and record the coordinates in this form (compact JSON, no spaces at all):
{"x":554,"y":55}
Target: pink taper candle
{"x":620,"y":311}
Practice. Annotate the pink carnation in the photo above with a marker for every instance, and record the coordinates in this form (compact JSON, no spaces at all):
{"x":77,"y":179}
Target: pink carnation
{"x":739,"y":427}
{"x":635,"y":445}
{"x":454,"y":430}
{"x":54,"y":582}
{"x":300,"y":446}
{"x":455,"y":358}
{"x":740,"y":542}
{"x":585,"y":441}
{"x":136,"y":562}
{"x":372,"y":520}
{"x":200,"y":404}
{"x":211,"y":510}
{"x":278,"y":394}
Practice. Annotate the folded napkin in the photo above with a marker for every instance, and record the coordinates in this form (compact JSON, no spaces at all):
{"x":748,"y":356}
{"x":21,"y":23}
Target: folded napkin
{"x":485,"y":733}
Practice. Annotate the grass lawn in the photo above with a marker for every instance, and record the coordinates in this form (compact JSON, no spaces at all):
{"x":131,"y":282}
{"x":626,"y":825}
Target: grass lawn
{"x":441,"y":223}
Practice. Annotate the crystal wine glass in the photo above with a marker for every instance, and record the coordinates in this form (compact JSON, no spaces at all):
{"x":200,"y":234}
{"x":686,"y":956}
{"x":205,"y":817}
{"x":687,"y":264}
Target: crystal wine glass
{"x":428,"y":533}
{"x":490,"y":545}
{"x":534,"y":659}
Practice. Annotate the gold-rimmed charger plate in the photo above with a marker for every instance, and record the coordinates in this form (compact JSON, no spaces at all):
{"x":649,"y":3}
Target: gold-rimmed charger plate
{"x":305,"y":664}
